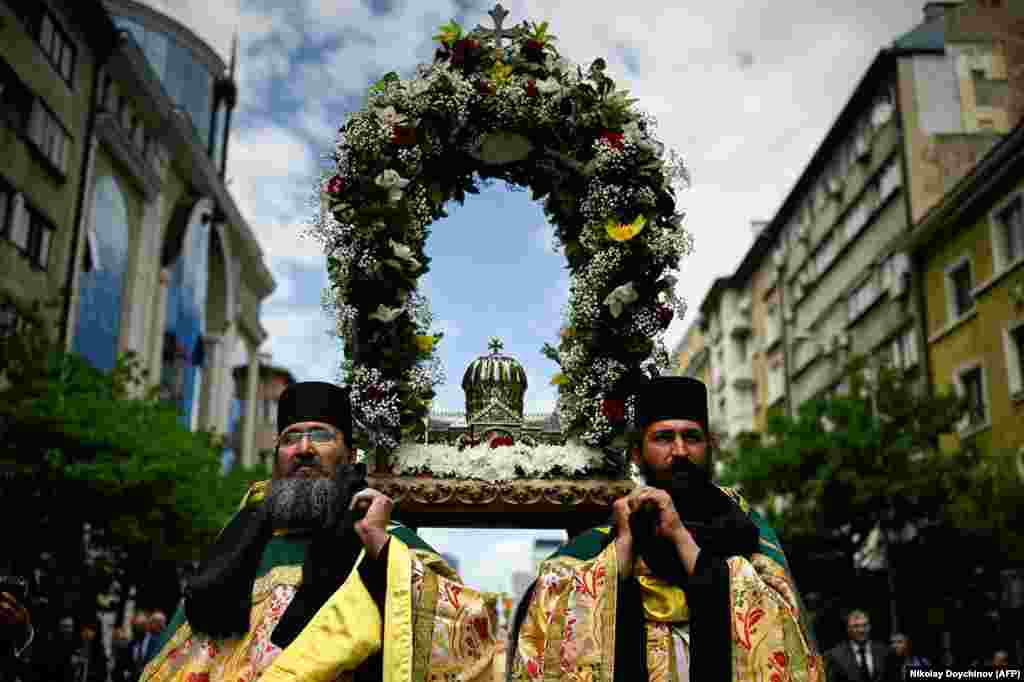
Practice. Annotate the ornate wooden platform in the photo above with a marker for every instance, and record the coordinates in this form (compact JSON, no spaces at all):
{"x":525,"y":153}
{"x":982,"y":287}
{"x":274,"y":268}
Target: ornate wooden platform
{"x":525,"y":503}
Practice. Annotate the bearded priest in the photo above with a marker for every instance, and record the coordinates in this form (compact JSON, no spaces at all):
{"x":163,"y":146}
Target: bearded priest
{"x":688,"y":583}
{"x":312,"y":581}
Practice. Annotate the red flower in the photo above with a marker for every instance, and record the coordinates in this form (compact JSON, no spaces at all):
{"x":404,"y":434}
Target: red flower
{"x":198,"y":677}
{"x":531,"y":89}
{"x":336,"y":185}
{"x":533,"y":668}
{"x":374,"y":393}
{"x":613,"y":139}
{"x":613,"y":410}
{"x":665,"y":315}
{"x":484,"y":88}
{"x":780,"y":658}
{"x":776,"y":677}
{"x":403,"y":135}
{"x":460,"y":49}
{"x":532,"y":44}
{"x":502,"y":441}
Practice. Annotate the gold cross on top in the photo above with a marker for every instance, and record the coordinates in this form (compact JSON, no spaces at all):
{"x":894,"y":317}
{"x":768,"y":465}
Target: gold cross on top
{"x":496,"y":345}
{"x":498,"y":15}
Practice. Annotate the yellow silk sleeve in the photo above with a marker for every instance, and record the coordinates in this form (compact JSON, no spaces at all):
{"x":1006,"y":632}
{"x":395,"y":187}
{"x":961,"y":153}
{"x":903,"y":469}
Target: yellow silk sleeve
{"x":340,"y":636}
{"x":569,"y":628}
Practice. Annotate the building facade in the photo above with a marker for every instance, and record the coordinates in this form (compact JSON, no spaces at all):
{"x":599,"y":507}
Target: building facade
{"x":969,"y":251}
{"x":826,"y":277}
{"x":118,"y":207}
{"x":254,"y":425}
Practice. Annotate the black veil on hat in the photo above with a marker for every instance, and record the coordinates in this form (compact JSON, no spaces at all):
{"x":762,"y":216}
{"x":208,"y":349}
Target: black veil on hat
{"x":672,"y":398}
{"x":315,"y":401}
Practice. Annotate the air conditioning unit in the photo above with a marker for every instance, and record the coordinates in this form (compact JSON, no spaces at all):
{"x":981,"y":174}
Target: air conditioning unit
{"x":835,"y":187}
{"x":779,"y":258}
{"x":900,"y":282}
{"x":862,"y":147}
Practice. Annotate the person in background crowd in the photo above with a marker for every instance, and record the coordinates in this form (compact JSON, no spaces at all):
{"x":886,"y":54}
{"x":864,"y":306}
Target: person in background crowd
{"x":901,"y":657}
{"x":151,"y":642}
{"x":121,"y":650}
{"x":16,"y":637}
{"x":858,"y":659}
{"x":1000,"y":659}
{"x":139,"y":633}
{"x":90,"y":660}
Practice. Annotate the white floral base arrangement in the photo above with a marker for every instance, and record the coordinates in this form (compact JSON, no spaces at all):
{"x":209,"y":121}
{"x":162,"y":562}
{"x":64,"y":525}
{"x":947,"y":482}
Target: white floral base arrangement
{"x":506,"y":463}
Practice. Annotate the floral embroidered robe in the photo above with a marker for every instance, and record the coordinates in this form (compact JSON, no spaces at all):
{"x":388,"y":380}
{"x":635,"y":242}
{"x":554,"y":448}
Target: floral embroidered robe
{"x":569,"y":629}
{"x":433,"y":627}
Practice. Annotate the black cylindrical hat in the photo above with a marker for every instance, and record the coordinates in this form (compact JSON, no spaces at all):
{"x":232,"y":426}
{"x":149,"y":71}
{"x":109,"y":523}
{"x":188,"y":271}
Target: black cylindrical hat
{"x":315,"y":401}
{"x":672,"y":398}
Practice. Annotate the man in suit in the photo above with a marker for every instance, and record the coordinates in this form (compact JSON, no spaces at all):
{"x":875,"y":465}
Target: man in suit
{"x":858,"y":659}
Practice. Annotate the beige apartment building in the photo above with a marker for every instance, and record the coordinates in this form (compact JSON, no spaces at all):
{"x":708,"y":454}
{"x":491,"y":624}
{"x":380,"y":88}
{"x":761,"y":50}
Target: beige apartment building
{"x":824,"y":277}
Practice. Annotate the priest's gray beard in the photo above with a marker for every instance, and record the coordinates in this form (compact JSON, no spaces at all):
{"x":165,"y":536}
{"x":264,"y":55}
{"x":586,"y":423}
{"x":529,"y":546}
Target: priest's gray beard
{"x":301,"y":503}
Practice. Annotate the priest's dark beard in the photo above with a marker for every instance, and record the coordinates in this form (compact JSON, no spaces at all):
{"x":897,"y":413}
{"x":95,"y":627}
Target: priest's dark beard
{"x":300,"y":503}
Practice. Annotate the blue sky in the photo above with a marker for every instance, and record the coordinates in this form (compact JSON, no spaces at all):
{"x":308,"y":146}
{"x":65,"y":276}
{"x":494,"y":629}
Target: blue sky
{"x":744,"y":89}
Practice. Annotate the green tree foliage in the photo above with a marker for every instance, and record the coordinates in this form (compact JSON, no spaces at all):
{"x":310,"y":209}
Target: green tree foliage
{"x":847,"y":464}
{"x":84,"y":446}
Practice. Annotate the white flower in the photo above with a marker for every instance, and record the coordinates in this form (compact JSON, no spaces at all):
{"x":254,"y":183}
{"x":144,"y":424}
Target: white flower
{"x":556,"y":64}
{"x":393,"y":183}
{"x":417,"y":87}
{"x":388,"y":116}
{"x":639,"y":138}
{"x":404,"y":253}
{"x":621,"y":297}
{"x":548,"y":86}
{"x":386,"y":314}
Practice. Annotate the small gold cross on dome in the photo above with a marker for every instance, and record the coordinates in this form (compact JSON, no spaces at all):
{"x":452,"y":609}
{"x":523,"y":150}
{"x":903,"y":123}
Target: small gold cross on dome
{"x":495,"y":345}
{"x":498,"y":16}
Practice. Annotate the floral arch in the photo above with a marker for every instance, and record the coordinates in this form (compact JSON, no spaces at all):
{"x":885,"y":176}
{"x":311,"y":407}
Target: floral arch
{"x":503,"y":104}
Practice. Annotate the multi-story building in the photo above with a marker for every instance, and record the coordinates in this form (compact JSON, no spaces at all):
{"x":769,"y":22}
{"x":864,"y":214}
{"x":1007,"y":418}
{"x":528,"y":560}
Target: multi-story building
{"x":969,"y":253}
{"x":48,"y":72}
{"x":114,"y":202}
{"x":825,"y":277}
{"x":254,"y":432}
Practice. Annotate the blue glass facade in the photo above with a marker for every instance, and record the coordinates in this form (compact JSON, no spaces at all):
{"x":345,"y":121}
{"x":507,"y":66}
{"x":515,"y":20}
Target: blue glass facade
{"x":102,"y":281}
{"x":184,"y":355}
{"x":186,"y":79}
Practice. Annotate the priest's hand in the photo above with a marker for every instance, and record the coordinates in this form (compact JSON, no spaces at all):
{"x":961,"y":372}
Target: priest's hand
{"x":372,"y":529}
{"x":623,"y":537}
{"x":669,"y":525}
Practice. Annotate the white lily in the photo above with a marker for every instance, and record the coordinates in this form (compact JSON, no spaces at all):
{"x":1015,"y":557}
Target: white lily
{"x":621,"y":297}
{"x":404,"y":253}
{"x":388,"y":116}
{"x":386,"y":314}
{"x":548,"y":86}
{"x":393,"y":183}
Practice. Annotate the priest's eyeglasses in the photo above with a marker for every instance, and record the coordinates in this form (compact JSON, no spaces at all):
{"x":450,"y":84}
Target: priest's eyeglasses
{"x":318,"y":435}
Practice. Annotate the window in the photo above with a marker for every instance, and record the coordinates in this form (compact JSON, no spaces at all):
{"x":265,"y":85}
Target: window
{"x":903,"y":352}
{"x":49,"y":135}
{"x":862,"y":298}
{"x":882,"y":110}
{"x":988,"y":92}
{"x":974,"y":391}
{"x":57,"y":46}
{"x":1015,"y":360}
{"x":826,"y":253}
{"x":892,"y":179}
{"x":1010,"y":232}
{"x":9,"y":320}
{"x":18,"y":223}
{"x":858,"y":216}
{"x":959,"y":285}
{"x":40,"y":235}
{"x":15,"y":98}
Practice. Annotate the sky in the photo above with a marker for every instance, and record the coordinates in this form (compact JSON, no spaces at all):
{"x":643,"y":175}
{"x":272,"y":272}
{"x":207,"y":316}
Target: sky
{"x":744,"y":90}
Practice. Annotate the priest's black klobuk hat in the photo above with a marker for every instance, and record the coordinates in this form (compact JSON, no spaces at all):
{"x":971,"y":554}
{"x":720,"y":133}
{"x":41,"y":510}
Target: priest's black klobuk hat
{"x":672,"y":398}
{"x":315,"y":401}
